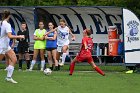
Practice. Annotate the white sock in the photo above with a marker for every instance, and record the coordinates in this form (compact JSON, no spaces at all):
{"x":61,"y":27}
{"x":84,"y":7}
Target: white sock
{"x":64,"y":57}
{"x":42,"y":63}
{"x":50,"y":63}
{"x":32,"y":64}
{"x":10,"y":70}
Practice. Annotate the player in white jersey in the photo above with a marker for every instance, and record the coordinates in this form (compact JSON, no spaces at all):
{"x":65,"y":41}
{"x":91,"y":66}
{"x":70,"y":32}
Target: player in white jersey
{"x":5,"y":49}
{"x":63,"y":32}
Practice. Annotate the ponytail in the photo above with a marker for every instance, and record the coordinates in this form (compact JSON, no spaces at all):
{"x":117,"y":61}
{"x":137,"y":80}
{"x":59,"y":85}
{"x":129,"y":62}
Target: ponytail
{"x":5,"y":15}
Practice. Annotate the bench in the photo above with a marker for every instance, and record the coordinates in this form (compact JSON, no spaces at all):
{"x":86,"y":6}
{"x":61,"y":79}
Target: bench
{"x":74,"y":48}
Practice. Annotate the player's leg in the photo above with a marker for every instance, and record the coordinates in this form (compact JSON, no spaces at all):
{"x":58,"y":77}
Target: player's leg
{"x":20,"y":55}
{"x":50,"y":60}
{"x":10,"y":55}
{"x":55,"y":60}
{"x":27,"y":58}
{"x":58,"y":54}
{"x":36,"y":51}
{"x":1,"y":56}
{"x":91,"y":62}
{"x":72,"y":65}
{"x":7,"y":63}
{"x":64,"y":50}
{"x":42,"y":52}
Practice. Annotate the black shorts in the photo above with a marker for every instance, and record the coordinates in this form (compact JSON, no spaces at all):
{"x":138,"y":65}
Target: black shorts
{"x":50,"y":49}
{"x":23,"y":50}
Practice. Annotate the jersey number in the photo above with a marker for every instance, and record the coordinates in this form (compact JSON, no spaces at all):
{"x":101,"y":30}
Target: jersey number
{"x":89,"y":46}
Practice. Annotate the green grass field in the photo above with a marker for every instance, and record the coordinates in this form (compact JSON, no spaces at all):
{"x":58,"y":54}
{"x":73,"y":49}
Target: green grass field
{"x":115,"y":81}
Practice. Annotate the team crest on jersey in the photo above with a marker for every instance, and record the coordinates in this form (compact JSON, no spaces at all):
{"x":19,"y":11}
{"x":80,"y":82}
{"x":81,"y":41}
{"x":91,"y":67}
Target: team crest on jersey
{"x":62,"y":34}
{"x":133,"y":31}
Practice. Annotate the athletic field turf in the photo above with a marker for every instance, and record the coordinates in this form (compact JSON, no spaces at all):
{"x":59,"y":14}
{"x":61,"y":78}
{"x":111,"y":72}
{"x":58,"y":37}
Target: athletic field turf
{"x":84,"y":81}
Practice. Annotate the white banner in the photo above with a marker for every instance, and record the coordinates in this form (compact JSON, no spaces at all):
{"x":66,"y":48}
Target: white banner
{"x":131,"y":37}
{"x":78,"y":18}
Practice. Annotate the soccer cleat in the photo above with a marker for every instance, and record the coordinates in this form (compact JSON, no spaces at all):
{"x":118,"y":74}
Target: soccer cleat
{"x":27,"y":69}
{"x":30,"y":69}
{"x":11,"y":80}
{"x":56,"y":68}
{"x":129,"y":72}
{"x":41,"y":69}
{"x":61,"y":64}
{"x":19,"y":69}
{"x":5,"y":69}
{"x":70,"y":74}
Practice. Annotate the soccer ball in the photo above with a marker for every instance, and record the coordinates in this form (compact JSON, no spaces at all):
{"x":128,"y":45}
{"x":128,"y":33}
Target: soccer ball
{"x":47,"y":71}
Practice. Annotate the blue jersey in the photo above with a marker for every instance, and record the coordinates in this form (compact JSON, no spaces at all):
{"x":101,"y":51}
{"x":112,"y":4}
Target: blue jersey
{"x":11,"y":40}
{"x":51,"y":43}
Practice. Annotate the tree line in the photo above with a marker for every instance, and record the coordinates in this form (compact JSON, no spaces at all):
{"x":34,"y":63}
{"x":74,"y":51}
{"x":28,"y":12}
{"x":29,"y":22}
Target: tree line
{"x":133,"y":5}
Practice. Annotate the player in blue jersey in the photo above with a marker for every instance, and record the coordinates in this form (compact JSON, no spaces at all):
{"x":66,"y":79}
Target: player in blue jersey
{"x":51,"y":46}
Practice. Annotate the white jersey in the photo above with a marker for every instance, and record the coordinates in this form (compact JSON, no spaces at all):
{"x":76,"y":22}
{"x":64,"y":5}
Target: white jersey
{"x":5,"y":27}
{"x":62,"y":36}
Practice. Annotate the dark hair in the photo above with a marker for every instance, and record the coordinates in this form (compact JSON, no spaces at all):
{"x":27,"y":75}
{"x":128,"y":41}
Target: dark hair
{"x":6,"y":13}
{"x":41,"y":21}
{"x":88,"y":31}
{"x":51,"y":22}
{"x":23,"y":22}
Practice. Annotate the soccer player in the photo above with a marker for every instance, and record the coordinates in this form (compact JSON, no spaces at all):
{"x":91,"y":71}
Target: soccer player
{"x":63,"y":32}
{"x":23,"y":46}
{"x":5,"y":49}
{"x":85,"y":53}
{"x":12,"y":44}
{"x":39,"y":46}
{"x":51,"y":47}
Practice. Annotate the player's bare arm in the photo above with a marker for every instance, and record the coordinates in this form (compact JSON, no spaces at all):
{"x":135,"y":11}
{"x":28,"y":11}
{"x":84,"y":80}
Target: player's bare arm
{"x":55,"y":29}
{"x":73,"y":36}
{"x":15,"y":37}
{"x":51,"y":38}
{"x":13,"y":44}
{"x":38,"y":38}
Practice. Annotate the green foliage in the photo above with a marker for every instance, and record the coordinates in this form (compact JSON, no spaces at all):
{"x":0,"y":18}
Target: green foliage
{"x":133,"y":5}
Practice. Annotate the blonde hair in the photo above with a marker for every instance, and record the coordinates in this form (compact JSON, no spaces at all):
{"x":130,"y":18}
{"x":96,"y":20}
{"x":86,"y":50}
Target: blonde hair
{"x":62,"y":20}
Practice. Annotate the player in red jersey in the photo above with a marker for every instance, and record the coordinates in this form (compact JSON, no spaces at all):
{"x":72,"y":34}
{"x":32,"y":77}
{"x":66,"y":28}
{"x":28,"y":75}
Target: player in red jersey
{"x":85,"y":53}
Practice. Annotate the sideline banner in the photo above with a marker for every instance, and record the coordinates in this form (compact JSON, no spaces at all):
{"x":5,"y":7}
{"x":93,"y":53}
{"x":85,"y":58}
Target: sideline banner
{"x":78,"y":18}
{"x":131,"y":37}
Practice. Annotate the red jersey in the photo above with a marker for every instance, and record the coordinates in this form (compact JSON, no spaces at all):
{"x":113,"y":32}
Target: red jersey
{"x":88,"y":42}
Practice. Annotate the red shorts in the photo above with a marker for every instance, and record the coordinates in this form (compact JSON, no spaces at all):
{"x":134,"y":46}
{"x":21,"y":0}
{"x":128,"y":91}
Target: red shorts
{"x":84,"y":56}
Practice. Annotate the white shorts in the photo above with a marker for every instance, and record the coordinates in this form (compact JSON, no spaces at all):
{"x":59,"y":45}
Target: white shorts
{"x":4,"y":50}
{"x":59,"y":49}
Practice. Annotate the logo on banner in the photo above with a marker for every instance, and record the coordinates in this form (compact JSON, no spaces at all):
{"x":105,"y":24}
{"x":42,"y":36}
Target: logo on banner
{"x":133,"y":31}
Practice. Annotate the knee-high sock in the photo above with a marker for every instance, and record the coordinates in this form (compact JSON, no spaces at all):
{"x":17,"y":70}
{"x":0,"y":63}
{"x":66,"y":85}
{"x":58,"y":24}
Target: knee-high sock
{"x":72,"y":65}
{"x":10,"y":70}
{"x":42,"y":64}
{"x":20,"y":64}
{"x":28,"y":64}
{"x":64,"y":57}
{"x":99,"y":70}
{"x":32,"y":64}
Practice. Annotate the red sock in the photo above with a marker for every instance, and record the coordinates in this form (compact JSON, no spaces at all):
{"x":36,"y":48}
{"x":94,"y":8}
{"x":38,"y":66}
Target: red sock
{"x":72,"y":65}
{"x":99,"y":71}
